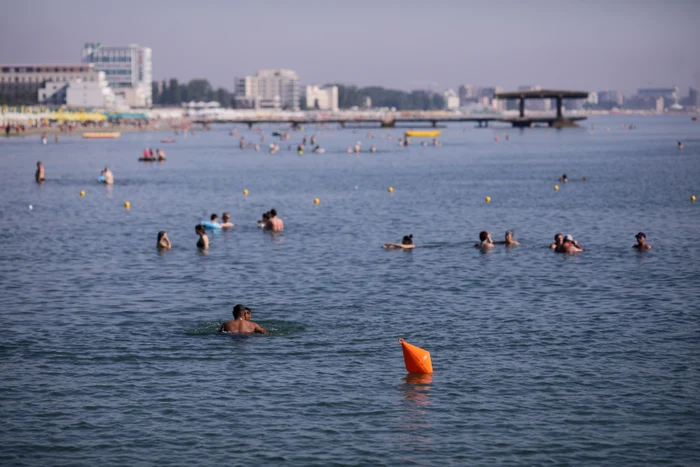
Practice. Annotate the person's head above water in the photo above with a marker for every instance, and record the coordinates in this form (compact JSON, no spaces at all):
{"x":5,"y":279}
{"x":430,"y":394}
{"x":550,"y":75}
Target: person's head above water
{"x":199,"y":229}
{"x":239,"y":310}
{"x":407,"y":240}
{"x":226,"y":216}
{"x":640,"y":236}
{"x":38,"y":164}
{"x":568,"y":238}
{"x":213,"y":217}
{"x":161,"y":234}
{"x":509,"y":233}
{"x":483,"y":235}
{"x":266,"y":216}
{"x":558,"y":237}
{"x":273,"y":213}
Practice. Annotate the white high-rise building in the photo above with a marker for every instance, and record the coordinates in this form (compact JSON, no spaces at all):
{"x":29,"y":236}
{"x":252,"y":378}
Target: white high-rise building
{"x":129,"y":70}
{"x":269,"y":89}
{"x":451,"y":99}
{"x":322,"y":98}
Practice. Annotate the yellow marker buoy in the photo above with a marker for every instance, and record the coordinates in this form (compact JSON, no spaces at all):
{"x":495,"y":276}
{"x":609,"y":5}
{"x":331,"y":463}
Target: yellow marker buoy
{"x":316,"y":200}
{"x":82,"y":193}
{"x":692,"y":198}
{"x":391,"y":189}
{"x":127,"y":204}
{"x":487,"y":199}
{"x":417,"y":360}
{"x":556,"y":187}
{"x":245,"y":192}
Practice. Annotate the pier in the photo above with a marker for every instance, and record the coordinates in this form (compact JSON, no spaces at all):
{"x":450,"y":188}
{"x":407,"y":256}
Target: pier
{"x":557,"y":121}
{"x":391,"y":119}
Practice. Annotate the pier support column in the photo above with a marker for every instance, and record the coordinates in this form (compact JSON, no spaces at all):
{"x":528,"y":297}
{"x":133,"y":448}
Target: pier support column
{"x":522,"y":107}
{"x":388,"y":124}
{"x":559,"y":104}
{"x":250,"y":125}
{"x":434,"y":123}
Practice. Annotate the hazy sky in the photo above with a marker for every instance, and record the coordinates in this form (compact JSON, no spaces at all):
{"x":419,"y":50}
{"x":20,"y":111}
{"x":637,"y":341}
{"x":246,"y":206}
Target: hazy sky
{"x":406,"y":44}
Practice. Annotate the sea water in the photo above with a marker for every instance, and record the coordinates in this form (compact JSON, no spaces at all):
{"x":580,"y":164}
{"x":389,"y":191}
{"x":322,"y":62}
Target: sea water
{"x":108,"y":348}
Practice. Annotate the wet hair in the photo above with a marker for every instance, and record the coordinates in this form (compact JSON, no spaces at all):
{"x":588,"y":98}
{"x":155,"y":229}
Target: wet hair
{"x":483,"y":235}
{"x":239,"y":310}
{"x":38,"y":163}
{"x":407,"y":240}
{"x":558,"y":235}
{"x":564,"y":176}
{"x":214,"y":216}
{"x":509,"y":232}
{"x":160,"y":235}
{"x":273,"y":212}
{"x":226,"y":215}
{"x":199,"y":228}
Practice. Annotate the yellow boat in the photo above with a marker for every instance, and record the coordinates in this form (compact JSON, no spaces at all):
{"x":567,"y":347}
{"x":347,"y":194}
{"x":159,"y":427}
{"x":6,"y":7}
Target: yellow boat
{"x":422,"y":134}
{"x":102,"y":135}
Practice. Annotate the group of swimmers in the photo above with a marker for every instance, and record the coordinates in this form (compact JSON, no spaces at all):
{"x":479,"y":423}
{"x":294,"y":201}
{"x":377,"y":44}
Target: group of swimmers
{"x":269,"y":222}
{"x":562,"y":243}
{"x":149,"y":155}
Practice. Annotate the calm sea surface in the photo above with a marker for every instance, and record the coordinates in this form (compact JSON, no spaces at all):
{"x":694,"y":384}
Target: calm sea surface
{"x":109,"y":353}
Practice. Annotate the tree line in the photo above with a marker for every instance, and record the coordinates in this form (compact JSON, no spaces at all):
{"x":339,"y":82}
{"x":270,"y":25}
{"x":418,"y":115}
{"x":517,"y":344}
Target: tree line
{"x":174,"y":93}
{"x":351,"y":96}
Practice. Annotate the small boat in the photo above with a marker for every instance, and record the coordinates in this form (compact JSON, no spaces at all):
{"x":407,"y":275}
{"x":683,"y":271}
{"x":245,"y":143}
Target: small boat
{"x":102,"y":135}
{"x":694,"y":118}
{"x":422,"y":133}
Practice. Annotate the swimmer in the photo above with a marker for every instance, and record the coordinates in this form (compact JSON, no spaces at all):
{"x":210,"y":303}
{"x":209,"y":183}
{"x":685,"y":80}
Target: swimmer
{"x":241,"y":143}
{"x":161,"y":154}
{"x":313,"y":140}
{"x":256,"y":147}
{"x":239,"y":324}
{"x":680,"y":145}
{"x":563,"y":179}
{"x":203,"y":242}
{"x":319,"y":150}
{"x":357,"y":147}
{"x":274,"y":223}
{"x":226,"y":224}
{"x":214,"y":219}
{"x":406,"y":243}
{"x":39,"y":175}
{"x":55,"y":139}
{"x":373,"y":148}
{"x":568,"y":246}
{"x":558,"y":240}
{"x":163,"y":241}
{"x":484,"y":240}
{"x":263,"y":221}
{"x":108,"y":176}
{"x":44,"y":140}
{"x":349,"y":151}
{"x":436,"y":142}
{"x":641,"y":242}
{"x":508,"y":240}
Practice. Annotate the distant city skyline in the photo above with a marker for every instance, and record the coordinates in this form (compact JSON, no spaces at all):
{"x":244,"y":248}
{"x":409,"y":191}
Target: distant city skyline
{"x":589,"y":45}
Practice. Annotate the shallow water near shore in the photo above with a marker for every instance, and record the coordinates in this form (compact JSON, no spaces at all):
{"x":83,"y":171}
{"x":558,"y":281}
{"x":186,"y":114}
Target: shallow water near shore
{"x":109,"y":352}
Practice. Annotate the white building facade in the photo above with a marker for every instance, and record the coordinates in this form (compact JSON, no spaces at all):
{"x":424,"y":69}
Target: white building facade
{"x":129,"y":70}
{"x":325,"y":98}
{"x":451,"y":100}
{"x":268,"y":89}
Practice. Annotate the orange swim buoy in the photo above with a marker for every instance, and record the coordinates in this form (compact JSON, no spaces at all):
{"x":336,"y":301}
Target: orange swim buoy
{"x":417,"y":360}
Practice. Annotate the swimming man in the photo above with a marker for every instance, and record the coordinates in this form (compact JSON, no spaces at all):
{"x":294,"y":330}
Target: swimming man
{"x":241,"y":324}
